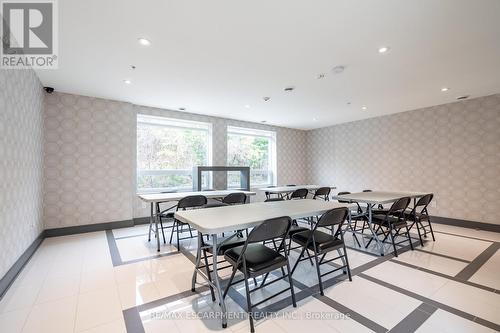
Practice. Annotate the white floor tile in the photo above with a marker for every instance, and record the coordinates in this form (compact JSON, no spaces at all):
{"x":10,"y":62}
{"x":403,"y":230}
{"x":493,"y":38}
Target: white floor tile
{"x":139,"y":247}
{"x":479,"y":302}
{"x":13,"y":321}
{"x":52,"y":317}
{"x":468,"y":232}
{"x":19,"y":298}
{"x":98,"y":279}
{"x":97,"y":308}
{"x":133,"y":231}
{"x":56,"y":288}
{"x":455,"y":246}
{"x":117,"y":326}
{"x":380,"y":304}
{"x":419,"y":282}
{"x":445,"y":322}
{"x":132,"y":294}
{"x":433,"y":262}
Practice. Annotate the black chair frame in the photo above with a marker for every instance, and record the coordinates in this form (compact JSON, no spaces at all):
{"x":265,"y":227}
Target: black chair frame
{"x":417,"y":218}
{"x":189,"y":202}
{"x":332,"y":218}
{"x":322,"y":193}
{"x":266,"y":231}
{"x":393,"y":221}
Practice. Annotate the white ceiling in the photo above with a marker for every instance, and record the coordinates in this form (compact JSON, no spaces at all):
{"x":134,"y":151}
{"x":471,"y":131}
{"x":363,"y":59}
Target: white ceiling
{"x":214,"y":57}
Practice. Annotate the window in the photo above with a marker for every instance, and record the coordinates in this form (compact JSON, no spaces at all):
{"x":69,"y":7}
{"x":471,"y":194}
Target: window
{"x":167,"y":150}
{"x":254,"y":148}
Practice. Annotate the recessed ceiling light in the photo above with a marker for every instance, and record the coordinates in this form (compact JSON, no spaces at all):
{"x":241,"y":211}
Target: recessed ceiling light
{"x":338,"y":69}
{"x":289,"y":89}
{"x":364,"y":107}
{"x":384,"y":49}
{"x":444,"y":89}
{"x":182,"y":109}
{"x":132,"y":67}
{"x":314,"y":119}
{"x":247,"y":106}
{"x":144,"y":41}
{"x":127,"y":81}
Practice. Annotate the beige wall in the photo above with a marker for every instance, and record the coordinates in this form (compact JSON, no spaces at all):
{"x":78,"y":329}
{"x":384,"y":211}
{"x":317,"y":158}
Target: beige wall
{"x":90,"y":157}
{"x":21,"y":160}
{"x":452,"y":150}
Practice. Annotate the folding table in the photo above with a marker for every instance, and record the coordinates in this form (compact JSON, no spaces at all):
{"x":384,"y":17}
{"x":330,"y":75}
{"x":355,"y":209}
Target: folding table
{"x":154,"y":198}
{"x":289,"y":189}
{"x":214,"y":221}
{"x":376,"y":198}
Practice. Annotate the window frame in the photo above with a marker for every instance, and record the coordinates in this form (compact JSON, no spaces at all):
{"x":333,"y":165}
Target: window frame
{"x":172,"y":123}
{"x":273,"y":161}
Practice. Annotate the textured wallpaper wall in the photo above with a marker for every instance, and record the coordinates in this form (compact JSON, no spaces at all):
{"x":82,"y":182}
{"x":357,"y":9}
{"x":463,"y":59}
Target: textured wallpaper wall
{"x":21,"y":159}
{"x":90,"y":158}
{"x":452,"y":150}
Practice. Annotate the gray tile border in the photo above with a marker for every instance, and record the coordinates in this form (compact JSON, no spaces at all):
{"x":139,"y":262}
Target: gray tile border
{"x":463,"y":236}
{"x":478,"y":262}
{"x":352,"y":314}
{"x":449,"y":277}
{"x":133,"y":322}
{"x":434,"y":303}
{"x":443,"y":255}
{"x":116,"y":259}
{"x":415,"y":319}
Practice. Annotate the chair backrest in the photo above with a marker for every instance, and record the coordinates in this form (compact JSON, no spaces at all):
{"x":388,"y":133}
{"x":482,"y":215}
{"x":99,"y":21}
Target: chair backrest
{"x":192,"y":201}
{"x":322,"y":192}
{"x":235,"y":198}
{"x":270,"y":229}
{"x":423,"y":202}
{"x":333,"y":217}
{"x":300,"y":193}
{"x":399,"y":207}
{"x":343,"y":201}
{"x":274,"y":199}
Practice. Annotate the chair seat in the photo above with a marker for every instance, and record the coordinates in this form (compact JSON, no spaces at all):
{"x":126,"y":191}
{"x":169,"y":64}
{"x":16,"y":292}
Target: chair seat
{"x":324,"y":242}
{"x":225,"y":244}
{"x":168,"y":215}
{"x":260,"y":259}
{"x":295,"y":229}
{"x":420,"y":216}
{"x":381,"y":219}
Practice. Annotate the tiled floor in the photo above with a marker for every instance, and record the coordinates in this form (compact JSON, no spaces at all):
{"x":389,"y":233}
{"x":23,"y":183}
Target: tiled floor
{"x":116,"y":282}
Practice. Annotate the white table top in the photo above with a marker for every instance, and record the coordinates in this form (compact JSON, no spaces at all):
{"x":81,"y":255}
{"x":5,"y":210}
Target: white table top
{"x":285,"y":189}
{"x":378,"y":197}
{"x":224,"y":219}
{"x":163,"y":197}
